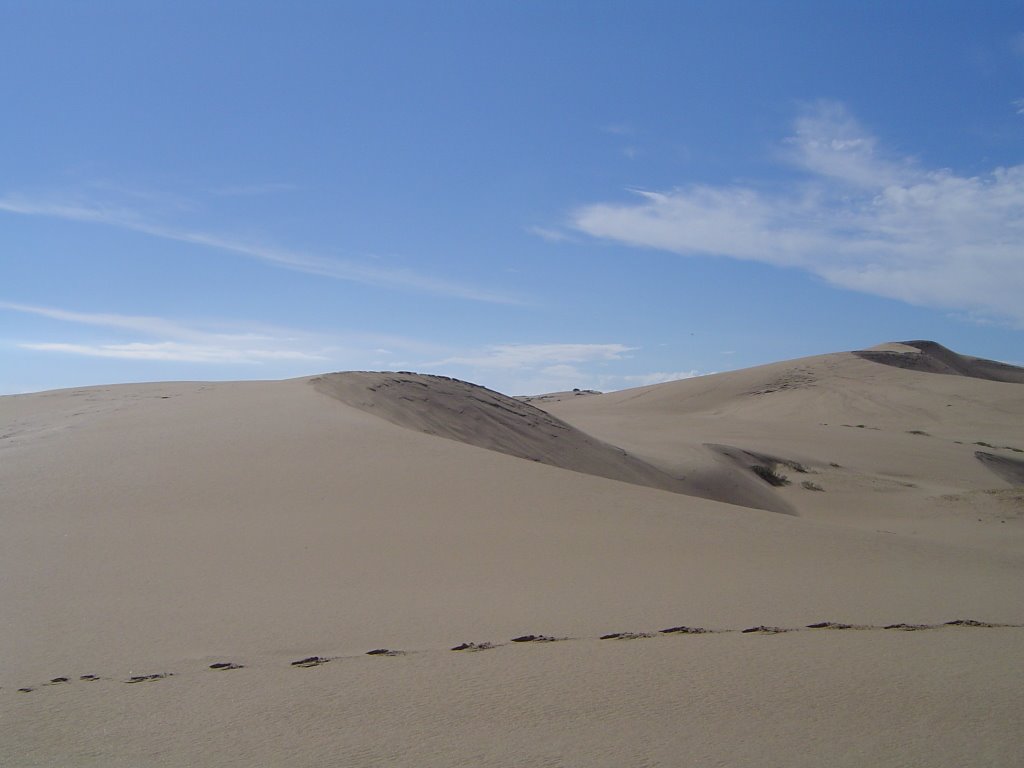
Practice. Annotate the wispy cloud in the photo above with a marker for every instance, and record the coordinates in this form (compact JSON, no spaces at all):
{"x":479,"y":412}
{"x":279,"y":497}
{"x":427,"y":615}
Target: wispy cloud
{"x":537,"y":355}
{"x":551,"y":235}
{"x":646,"y":379}
{"x":253,"y":190}
{"x":165,"y":340}
{"x":533,"y":368}
{"x":175,"y":352}
{"x":861,"y":219}
{"x":124,"y":218}
{"x":618,"y":129}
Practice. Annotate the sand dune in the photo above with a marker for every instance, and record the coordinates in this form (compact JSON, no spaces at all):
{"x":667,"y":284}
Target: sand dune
{"x":885,"y":442}
{"x":471,"y":414}
{"x":276,"y":572}
{"x":930,"y":357}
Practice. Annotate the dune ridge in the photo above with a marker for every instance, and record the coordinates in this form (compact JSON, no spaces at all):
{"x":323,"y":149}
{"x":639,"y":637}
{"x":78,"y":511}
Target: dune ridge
{"x":471,"y":414}
{"x":848,"y":431}
{"x":932,"y":357}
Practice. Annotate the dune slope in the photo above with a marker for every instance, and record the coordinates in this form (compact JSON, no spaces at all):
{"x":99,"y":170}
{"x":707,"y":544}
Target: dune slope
{"x":880,"y":445}
{"x":471,"y":414}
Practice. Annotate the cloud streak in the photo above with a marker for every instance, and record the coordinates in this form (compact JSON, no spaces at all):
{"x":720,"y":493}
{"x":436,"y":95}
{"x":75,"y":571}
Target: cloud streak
{"x":172,"y":351}
{"x":534,"y":368}
{"x":171,"y":341}
{"x":536,"y":355}
{"x":128,"y":219}
{"x":860,"y":219}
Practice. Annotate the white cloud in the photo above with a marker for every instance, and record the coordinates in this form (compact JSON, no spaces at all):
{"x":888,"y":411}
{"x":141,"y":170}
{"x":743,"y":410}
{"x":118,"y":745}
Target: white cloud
{"x":124,"y":218}
{"x":551,"y":235}
{"x":519,"y":369}
{"x":537,"y":355}
{"x":646,"y":379}
{"x":176,"y":352}
{"x":173,"y":341}
{"x":147,"y":338}
{"x":860,"y":220}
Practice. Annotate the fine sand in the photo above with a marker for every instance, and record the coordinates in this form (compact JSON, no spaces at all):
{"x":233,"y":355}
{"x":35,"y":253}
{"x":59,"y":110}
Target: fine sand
{"x":153,"y":530}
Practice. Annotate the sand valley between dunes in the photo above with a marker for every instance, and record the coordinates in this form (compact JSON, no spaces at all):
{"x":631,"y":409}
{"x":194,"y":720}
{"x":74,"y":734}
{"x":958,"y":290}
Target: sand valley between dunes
{"x":815,"y":562}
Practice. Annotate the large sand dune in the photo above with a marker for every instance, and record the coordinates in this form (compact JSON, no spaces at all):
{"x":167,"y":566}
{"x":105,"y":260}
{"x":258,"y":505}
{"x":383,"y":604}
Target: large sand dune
{"x":151,"y":531}
{"x":890,"y":445}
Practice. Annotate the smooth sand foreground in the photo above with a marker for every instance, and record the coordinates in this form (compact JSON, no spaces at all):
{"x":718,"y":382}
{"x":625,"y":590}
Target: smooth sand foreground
{"x":151,"y":531}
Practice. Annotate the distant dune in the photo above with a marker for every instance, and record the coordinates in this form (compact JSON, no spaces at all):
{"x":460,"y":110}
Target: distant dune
{"x":407,"y":570}
{"x":893,"y":437}
{"x":930,"y":357}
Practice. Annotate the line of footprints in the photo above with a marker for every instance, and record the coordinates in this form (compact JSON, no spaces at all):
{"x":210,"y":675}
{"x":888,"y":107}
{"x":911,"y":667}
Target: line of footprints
{"x":315,"y":661}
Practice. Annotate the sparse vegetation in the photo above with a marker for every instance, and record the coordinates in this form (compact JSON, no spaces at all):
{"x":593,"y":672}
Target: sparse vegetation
{"x":918,"y":432}
{"x":807,"y":485}
{"x":769,"y":475}
{"x":834,"y":464}
{"x":987,"y":445}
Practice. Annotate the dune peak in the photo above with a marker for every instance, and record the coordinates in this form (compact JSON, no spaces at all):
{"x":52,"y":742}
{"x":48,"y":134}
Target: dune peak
{"x":931,"y":357}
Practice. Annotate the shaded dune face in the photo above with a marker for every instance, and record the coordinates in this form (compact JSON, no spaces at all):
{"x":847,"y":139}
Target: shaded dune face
{"x":932,"y":357}
{"x":475,"y":415}
{"x":1008,"y":469}
{"x":469,"y":413}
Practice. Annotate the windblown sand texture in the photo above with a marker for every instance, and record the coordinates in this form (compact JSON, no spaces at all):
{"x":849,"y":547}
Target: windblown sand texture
{"x":379,"y":569}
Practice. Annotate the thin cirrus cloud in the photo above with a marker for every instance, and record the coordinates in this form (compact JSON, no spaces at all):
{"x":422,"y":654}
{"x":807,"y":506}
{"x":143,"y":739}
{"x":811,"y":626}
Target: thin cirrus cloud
{"x":658,"y":377}
{"x":535,"y":368}
{"x":860,"y":219}
{"x":538,"y":368}
{"x":123,"y":218}
{"x":165,"y":340}
{"x":523,"y":356}
{"x":253,"y":190}
{"x":173,"y":351}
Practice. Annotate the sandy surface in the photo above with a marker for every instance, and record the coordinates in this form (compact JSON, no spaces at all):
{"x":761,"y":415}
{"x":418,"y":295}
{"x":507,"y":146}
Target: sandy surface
{"x":158,"y":529}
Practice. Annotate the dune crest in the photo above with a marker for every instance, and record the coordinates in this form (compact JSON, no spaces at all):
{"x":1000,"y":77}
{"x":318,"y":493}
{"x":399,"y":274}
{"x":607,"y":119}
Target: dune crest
{"x":932,"y":357}
{"x":471,"y":414}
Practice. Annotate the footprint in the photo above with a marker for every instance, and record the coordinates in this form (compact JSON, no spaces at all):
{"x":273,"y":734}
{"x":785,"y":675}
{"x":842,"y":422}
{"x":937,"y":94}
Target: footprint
{"x":626,"y":635}
{"x":310,"y":661}
{"x":684,"y":630}
{"x":384,"y":652}
{"x":474,"y":647}
{"x":763,"y":630}
{"x":226,"y":665}
{"x":147,"y":678}
{"x":971,"y":623}
{"x":535,"y":639}
{"x":910,"y":627}
{"x":89,"y":678}
{"x":830,"y":625}
{"x":25,"y":690}
{"x":58,"y":680}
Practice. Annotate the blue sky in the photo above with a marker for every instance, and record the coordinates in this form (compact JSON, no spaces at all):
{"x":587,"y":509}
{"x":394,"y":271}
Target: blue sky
{"x":532,"y":195}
